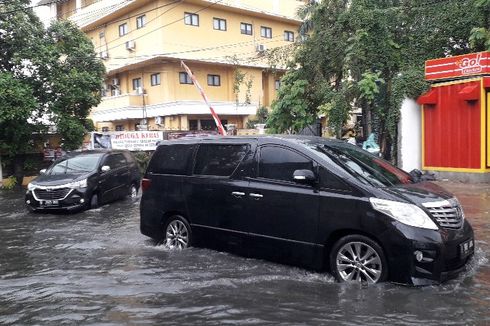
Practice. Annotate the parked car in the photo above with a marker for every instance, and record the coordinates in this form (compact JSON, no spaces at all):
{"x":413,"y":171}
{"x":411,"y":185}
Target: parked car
{"x":84,"y":180}
{"x":308,"y":201}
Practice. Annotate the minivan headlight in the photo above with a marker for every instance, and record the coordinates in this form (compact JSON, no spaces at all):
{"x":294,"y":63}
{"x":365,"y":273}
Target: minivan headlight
{"x":78,"y":184}
{"x":30,"y":186}
{"x":405,"y":213}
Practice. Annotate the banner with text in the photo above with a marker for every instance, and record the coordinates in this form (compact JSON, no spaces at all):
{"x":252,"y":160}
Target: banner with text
{"x":130,"y":140}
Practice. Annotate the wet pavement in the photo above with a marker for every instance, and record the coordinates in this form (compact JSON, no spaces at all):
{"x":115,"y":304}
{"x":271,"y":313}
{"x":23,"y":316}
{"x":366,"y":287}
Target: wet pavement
{"x":95,"y":268}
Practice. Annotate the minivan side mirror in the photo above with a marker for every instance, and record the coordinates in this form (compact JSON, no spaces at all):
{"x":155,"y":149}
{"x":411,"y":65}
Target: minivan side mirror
{"x":304,"y":176}
{"x":105,"y":168}
{"x":42,"y":171}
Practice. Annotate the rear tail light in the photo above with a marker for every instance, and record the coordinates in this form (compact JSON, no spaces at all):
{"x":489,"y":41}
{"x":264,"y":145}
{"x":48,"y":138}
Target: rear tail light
{"x":145,"y":184}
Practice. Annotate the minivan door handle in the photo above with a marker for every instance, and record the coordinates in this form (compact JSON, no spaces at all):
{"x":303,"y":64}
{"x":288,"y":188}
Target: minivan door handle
{"x":256,"y":196}
{"x":238,"y":194}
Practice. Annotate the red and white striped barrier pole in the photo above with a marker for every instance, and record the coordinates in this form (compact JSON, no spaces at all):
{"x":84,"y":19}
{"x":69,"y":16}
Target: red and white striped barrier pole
{"x":215,"y":116}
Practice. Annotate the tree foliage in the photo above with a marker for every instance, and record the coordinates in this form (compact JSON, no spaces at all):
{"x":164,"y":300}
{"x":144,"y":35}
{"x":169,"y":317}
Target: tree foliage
{"x":47,"y":77}
{"x":370,"y":54}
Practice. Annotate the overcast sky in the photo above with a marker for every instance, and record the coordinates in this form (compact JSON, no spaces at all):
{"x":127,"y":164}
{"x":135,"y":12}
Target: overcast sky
{"x":42,"y":11}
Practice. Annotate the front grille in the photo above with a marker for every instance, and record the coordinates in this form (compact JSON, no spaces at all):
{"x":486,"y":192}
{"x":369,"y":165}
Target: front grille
{"x":447,"y":213}
{"x":51,"y":194}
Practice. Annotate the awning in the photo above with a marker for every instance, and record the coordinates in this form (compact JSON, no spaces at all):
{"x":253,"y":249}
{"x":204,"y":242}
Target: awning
{"x":429,"y":98}
{"x":470,"y":92}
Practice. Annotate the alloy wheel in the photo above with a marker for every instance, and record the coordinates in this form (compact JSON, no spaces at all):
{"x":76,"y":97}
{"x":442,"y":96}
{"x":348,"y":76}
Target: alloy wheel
{"x":358,"y":261}
{"x":177,"y":235}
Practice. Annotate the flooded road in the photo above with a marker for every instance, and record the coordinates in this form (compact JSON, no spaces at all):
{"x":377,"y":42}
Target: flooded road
{"x":95,"y":268}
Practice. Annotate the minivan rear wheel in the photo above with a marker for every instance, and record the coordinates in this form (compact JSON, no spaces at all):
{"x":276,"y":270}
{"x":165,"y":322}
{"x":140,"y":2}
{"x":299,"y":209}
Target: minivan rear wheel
{"x":133,"y":191}
{"x":358,"y":258}
{"x":177,"y":233}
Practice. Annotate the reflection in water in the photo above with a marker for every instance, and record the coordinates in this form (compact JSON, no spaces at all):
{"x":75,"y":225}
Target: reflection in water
{"x":95,"y":268}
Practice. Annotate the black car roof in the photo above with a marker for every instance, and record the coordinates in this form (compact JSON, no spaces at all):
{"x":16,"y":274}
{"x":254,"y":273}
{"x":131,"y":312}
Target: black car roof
{"x":294,"y":139}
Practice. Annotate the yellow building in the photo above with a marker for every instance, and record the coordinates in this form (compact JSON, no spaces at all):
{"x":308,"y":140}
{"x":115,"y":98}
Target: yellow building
{"x":226,"y":43}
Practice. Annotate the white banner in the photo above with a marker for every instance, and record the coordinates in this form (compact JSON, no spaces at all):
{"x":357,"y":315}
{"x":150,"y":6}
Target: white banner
{"x":130,"y":140}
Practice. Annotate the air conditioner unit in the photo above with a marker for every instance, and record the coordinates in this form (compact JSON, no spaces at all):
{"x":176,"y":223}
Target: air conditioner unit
{"x":130,"y":45}
{"x":261,"y":48}
{"x":104,"y":55}
{"x":115,"y":81}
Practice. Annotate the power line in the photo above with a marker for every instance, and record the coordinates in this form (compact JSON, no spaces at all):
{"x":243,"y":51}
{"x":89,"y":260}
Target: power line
{"x":165,"y":25}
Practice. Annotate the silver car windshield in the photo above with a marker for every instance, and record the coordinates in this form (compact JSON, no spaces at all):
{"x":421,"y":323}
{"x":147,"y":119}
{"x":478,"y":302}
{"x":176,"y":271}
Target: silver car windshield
{"x":363,"y":166}
{"x":77,"y":164}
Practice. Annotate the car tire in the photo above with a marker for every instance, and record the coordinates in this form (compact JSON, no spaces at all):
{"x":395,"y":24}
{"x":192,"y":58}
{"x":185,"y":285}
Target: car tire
{"x":358,"y":258}
{"x":133,"y":191}
{"x":177,"y":233}
{"x":94,"y":201}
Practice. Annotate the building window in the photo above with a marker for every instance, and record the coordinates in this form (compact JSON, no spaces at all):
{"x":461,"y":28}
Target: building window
{"x":136,"y":83}
{"x":277,"y":84}
{"x":123,"y":29}
{"x":119,"y":128}
{"x":101,"y":35}
{"x":184,"y":78}
{"x":191,"y":19}
{"x":155,"y":79}
{"x":289,"y":36}
{"x":265,"y":32}
{"x":141,"y":21}
{"x":214,"y":80}
{"x":219,"y":24}
{"x":105,"y":129}
{"x":246,"y":28}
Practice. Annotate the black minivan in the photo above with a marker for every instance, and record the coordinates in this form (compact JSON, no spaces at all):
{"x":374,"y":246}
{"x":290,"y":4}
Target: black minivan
{"x":308,"y":201}
{"x":83,"y":180}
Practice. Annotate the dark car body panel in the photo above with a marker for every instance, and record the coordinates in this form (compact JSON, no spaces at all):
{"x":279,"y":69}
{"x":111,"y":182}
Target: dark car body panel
{"x":298,"y":223}
{"x":108,"y":185}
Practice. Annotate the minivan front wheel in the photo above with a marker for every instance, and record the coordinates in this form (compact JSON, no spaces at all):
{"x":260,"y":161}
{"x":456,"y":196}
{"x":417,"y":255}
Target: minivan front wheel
{"x":177,"y":233}
{"x":358,"y":258}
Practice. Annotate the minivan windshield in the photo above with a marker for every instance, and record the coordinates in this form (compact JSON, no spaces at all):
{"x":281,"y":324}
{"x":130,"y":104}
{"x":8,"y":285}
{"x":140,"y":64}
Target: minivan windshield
{"x":77,"y":164}
{"x":364,"y":166}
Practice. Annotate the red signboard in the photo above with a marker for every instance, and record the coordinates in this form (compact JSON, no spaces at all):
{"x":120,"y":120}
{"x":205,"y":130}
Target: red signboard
{"x":473,"y":64}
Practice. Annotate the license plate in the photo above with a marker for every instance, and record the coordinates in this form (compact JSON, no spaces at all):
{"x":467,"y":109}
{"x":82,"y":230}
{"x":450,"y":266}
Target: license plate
{"x":50,"y":202}
{"x":466,"y":248}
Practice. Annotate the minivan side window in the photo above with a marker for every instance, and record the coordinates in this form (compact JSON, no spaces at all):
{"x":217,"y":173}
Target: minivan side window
{"x":171,"y":159}
{"x":279,"y":163}
{"x":219,"y":159}
{"x":115,"y":161}
{"x":330,"y":181}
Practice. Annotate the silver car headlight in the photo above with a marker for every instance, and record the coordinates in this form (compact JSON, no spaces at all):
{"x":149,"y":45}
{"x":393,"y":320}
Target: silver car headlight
{"x":30,"y":186}
{"x":405,"y":213}
{"x":77,"y":184}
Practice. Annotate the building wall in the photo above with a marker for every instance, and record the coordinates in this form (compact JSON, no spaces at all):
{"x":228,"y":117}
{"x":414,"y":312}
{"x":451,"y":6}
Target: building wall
{"x":410,"y":136}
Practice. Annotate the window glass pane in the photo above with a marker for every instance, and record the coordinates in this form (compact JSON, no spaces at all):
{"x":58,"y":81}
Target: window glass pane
{"x":115,"y":161}
{"x":280,"y":163}
{"x":171,"y":159}
{"x":330,"y":181}
{"x":187,"y":19}
{"x":136,"y":83}
{"x":216,"y":23}
{"x":195,"y":20}
{"x":155,"y":79}
{"x":141,"y":21}
{"x":219,"y":160}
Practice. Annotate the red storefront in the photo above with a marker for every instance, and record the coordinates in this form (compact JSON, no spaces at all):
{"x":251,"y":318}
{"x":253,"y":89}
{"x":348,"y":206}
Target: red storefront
{"x":456,"y":114}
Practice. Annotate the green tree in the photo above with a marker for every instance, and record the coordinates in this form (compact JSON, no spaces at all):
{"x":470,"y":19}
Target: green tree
{"x":46,"y":77}
{"x":368,"y":53}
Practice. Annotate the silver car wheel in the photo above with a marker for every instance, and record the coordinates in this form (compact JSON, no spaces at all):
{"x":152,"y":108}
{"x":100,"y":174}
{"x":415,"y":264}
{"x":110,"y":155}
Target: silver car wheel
{"x":133,"y":191}
{"x":176,"y":235}
{"x":357,"y":261}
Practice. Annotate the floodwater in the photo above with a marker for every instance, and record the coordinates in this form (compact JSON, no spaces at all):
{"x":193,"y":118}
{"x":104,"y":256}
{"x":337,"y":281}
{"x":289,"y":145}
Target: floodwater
{"x":95,"y":268}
